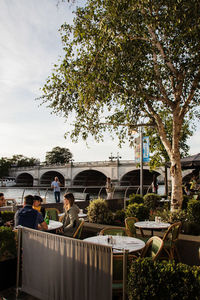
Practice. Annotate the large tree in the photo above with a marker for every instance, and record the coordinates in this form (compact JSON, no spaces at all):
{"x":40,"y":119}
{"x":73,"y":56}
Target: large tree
{"x":129,"y":60}
{"x":58,"y":155}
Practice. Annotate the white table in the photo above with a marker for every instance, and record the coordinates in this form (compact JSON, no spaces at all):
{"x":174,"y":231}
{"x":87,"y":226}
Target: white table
{"x":53,"y":225}
{"x":152,"y":225}
{"x":119,"y":244}
{"x":80,"y":215}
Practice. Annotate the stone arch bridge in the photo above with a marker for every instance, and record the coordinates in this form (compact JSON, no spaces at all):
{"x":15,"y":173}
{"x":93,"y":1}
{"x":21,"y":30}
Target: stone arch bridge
{"x":122,"y":173}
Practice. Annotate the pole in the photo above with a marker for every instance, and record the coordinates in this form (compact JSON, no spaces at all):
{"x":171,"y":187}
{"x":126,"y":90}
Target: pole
{"x":125,"y":255}
{"x":19,"y":241}
{"x":141,"y":161}
{"x":166,"y":181}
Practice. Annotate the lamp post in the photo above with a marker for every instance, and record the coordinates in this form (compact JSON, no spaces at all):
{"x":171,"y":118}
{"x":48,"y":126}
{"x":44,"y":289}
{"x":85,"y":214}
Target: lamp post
{"x":141,"y":161}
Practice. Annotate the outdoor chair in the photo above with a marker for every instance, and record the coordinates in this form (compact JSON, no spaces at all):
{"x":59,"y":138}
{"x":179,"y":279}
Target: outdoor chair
{"x":113,"y":231}
{"x":77,"y":234}
{"x":117,"y":284}
{"x":131,"y":229}
{"x":170,"y":238}
{"x":53,"y":213}
{"x":153,"y":248}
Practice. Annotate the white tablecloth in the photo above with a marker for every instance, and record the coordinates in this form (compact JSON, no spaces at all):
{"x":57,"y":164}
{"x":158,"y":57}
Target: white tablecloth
{"x":152,"y":225}
{"x":54,"y":225}
{"x":119,"y":244}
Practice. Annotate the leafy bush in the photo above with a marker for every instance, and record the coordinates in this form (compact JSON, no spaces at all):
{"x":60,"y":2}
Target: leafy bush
{"x":139,"y":211}
{"x":151,"y":200}
{"x":154,"y":280}
{"x":194,"y":211}
{"x":170,"y":217}
{"x":119,"y":217}
{"x":7,"y":243}
{"x":7,"y":216}
{"x":98,"y":212}
{"x":135,"y":198}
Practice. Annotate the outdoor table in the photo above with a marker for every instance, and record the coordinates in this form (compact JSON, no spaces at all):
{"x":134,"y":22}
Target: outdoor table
{"x":53,"y":225}
{"x":152,"y":225}
{"x":80,"y":215}
{"x":118,"y":243}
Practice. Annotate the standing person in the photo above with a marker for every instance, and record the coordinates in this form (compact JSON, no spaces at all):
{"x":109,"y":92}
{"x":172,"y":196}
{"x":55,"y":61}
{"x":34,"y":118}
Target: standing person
{"x":29,"y":217}
{"x":70,"y":219}
{"x":55,"y":185}
{"x":109,"y":188}
{"x":154,"y":184}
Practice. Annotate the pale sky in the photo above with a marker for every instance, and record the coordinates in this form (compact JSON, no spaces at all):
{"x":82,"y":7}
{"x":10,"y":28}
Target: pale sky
{"x":30,"y":45}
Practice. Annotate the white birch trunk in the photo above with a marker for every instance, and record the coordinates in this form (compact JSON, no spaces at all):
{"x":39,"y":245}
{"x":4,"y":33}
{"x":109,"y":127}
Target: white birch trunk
{"x":176,"y":172}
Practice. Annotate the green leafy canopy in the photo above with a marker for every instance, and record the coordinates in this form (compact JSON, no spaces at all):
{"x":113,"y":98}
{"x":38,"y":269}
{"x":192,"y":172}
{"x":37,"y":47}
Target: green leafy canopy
{"x":125,"y":60}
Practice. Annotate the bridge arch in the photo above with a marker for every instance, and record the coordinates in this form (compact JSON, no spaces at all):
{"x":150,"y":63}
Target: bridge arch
{"x":90,"y":178}
{"x":24,"y":179}
{"x":133,"y":177}
{"x":49,"y":176}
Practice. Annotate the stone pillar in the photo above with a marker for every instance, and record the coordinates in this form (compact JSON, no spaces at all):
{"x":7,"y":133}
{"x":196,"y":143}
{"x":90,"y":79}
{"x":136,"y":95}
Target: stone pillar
{"x":35,"y":181}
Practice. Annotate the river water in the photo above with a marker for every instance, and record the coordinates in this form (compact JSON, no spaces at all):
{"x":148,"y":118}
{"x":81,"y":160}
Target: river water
{"x":19,"y":193}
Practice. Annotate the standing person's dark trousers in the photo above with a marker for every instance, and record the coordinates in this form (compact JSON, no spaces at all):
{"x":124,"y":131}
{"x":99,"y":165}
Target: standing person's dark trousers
{"x":57,"y":196}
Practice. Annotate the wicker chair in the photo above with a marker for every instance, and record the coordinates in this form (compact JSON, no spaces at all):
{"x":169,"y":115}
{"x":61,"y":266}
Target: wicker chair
{"x":53,"y":213}
{"x":113,"y":231}
{"x":77,"y":234}
{"x":170,"y":238}
{"x":153,"y":248}
{"x":117,"y":283}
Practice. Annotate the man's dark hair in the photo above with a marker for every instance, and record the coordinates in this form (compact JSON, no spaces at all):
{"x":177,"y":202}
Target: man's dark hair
{"x":28,"y":199}
{"x":38,"y":198}
{"x":1,"y":194}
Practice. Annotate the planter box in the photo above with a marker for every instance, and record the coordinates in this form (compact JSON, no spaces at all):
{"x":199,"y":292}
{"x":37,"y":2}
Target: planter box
{"x":8,"y":270}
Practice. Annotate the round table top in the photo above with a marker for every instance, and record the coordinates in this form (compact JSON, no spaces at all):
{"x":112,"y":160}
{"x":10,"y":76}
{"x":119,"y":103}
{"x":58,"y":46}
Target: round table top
{"x":119,"y":243}
{"x":152,"y":225}
{"x":80,"y":215}
{"x":54,"y":225}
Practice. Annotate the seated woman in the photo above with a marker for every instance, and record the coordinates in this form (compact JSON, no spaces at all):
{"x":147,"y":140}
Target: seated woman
{"x":37,"y":205}
{"x":70,"y":219}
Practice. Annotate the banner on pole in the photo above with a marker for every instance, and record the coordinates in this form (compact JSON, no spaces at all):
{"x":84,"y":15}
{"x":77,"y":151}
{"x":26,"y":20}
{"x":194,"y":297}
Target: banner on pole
{"x":146,"y":156}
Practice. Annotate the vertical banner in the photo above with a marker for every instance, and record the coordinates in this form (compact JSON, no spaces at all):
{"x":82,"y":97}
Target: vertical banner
{"x":146,"y":149}
{"x":146,"y":156}
{"x":137,"y":149}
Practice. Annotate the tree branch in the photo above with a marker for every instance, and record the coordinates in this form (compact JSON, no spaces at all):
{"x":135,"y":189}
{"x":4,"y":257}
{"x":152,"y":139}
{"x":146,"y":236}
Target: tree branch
{"x":162,"y":52}
{"x":190,"y":96}
{"x":163,"y":91}
{"x":160,"y":128}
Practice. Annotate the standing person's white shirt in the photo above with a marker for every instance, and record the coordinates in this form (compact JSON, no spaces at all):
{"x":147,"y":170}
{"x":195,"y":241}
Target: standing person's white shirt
{"x":55,"y":185}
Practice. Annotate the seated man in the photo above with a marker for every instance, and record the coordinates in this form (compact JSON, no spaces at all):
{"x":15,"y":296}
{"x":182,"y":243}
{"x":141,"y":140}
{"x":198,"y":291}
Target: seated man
{"x":2,"y":203}
{"x":29,"y":217}
{"x":2,"y":200}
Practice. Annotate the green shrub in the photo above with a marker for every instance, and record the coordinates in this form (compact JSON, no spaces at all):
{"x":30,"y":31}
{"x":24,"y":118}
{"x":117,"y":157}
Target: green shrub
{"x":155,"y":280}
{"x":135,"y":198}
{"x":170,"y":217}
{"x":119,"y":217}
{"x":98,"y":212}
{"x":7,"y":243}
{"x":7,"y":216}
{"x":193,"y":211}
{"x":152,"y":200}
{"x":139,"y":211}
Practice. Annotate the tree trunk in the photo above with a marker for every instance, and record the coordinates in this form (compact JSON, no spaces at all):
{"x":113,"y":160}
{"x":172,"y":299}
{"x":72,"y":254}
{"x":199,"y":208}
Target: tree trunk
{"x":176,"y":180}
